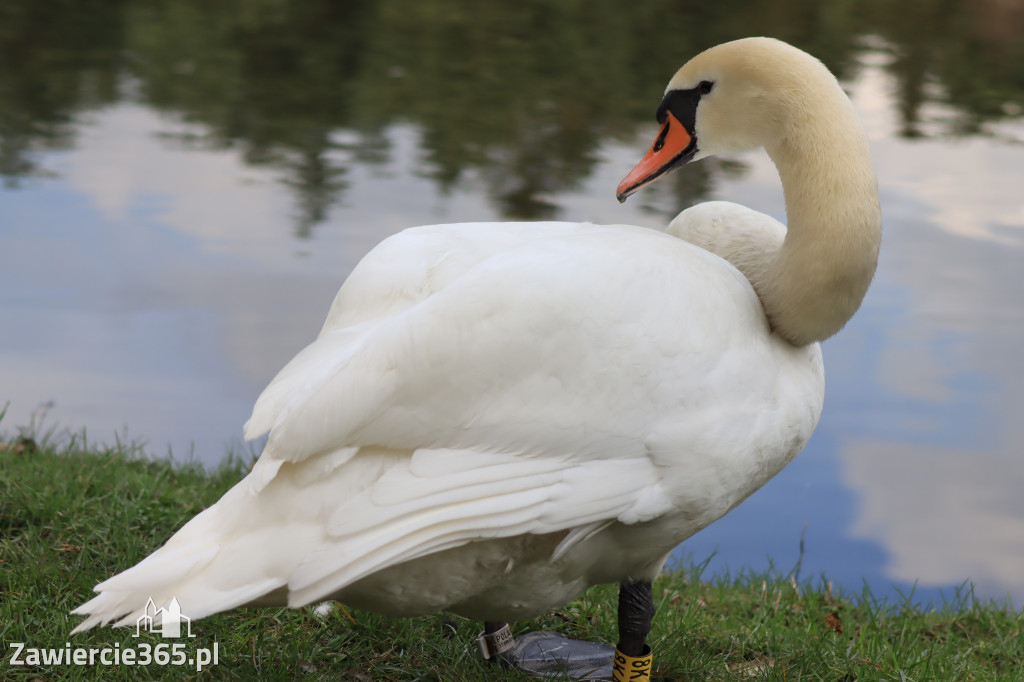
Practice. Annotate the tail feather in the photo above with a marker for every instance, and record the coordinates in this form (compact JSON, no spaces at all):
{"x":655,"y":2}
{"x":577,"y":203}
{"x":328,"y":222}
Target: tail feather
{"x":207,"y":566}
{"x":241,"y":550}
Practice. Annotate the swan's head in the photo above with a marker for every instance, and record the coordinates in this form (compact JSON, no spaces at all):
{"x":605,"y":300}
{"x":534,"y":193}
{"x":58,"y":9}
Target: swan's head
{"x":732,"y":97}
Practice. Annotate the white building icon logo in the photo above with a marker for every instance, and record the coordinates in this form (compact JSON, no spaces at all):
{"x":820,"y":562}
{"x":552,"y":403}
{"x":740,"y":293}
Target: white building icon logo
{"x":165,"y":620}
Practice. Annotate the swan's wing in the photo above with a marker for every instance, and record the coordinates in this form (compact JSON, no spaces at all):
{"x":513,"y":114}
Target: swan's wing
{"x":477,"y":353}
{"x":378,"y":329}
{"x":438,"y":499}
{"x":329,"y":527}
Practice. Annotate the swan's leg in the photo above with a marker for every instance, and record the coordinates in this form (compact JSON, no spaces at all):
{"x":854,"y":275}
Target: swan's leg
{"x":496,"y":641}
{"x":492,"y":626}
{"x":636,"y":611}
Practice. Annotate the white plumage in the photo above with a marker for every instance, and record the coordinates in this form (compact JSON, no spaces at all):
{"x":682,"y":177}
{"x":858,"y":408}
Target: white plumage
{"x":496,"y":416}
{"x":518,"y":382}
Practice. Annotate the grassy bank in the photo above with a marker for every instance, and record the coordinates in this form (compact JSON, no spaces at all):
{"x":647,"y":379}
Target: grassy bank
{"x":71,"y":516}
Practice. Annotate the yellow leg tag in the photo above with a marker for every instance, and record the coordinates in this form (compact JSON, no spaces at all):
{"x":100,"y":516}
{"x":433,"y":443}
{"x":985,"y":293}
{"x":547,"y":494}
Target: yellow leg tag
{"x":629,"y":669}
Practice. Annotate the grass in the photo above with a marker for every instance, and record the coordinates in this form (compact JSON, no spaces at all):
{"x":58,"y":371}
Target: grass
{"x":72,"y":515}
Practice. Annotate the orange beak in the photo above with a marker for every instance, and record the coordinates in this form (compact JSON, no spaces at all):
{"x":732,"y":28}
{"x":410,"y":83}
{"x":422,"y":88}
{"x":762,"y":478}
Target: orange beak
{"x":671,"y":148}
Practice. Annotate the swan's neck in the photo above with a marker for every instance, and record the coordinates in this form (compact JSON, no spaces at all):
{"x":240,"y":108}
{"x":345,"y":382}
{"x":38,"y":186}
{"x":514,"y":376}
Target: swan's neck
{"x":815,"y":281}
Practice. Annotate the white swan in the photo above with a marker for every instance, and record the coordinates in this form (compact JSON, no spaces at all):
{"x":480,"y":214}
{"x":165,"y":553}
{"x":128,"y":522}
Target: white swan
{"x":497,"y":416}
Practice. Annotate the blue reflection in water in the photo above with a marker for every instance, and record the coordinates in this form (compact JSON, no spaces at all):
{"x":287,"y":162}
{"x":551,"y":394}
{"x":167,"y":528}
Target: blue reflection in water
{"x":763,"y":534}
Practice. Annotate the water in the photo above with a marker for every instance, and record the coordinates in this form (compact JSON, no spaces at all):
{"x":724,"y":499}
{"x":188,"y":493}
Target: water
{"x":185,"y":186}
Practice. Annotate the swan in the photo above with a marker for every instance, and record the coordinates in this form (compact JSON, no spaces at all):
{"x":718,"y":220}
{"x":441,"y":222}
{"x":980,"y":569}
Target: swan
{"x":496,"y":417}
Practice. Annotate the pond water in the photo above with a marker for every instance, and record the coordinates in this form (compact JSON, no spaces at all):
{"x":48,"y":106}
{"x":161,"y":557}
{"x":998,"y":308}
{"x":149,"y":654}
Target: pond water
{"x":186,"y":184}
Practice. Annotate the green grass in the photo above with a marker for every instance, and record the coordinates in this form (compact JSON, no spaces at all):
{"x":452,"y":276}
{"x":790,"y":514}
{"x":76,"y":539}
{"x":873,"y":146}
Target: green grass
{"x":73,"y":515}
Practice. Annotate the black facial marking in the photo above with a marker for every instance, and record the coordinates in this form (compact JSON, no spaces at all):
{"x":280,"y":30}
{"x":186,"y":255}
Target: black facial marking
{"x":683,"y":105}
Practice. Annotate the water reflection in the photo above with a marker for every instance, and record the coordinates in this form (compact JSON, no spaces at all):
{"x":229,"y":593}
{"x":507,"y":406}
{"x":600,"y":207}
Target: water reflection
{"x":187,"y":183}
{"x":523,"y":94}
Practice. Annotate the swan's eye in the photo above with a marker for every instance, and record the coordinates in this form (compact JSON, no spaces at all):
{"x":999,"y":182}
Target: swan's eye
{"x":705,"y":87}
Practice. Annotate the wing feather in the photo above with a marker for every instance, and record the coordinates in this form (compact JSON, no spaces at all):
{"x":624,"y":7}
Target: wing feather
{"x":495,"y":496}
{"x":455,"y":361}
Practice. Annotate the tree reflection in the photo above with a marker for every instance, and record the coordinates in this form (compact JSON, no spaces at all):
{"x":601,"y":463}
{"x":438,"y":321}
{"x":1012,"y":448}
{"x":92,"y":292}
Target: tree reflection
{"x":519,"y":94}
{"x":965,"y":53}
{"x":50,"y":71}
